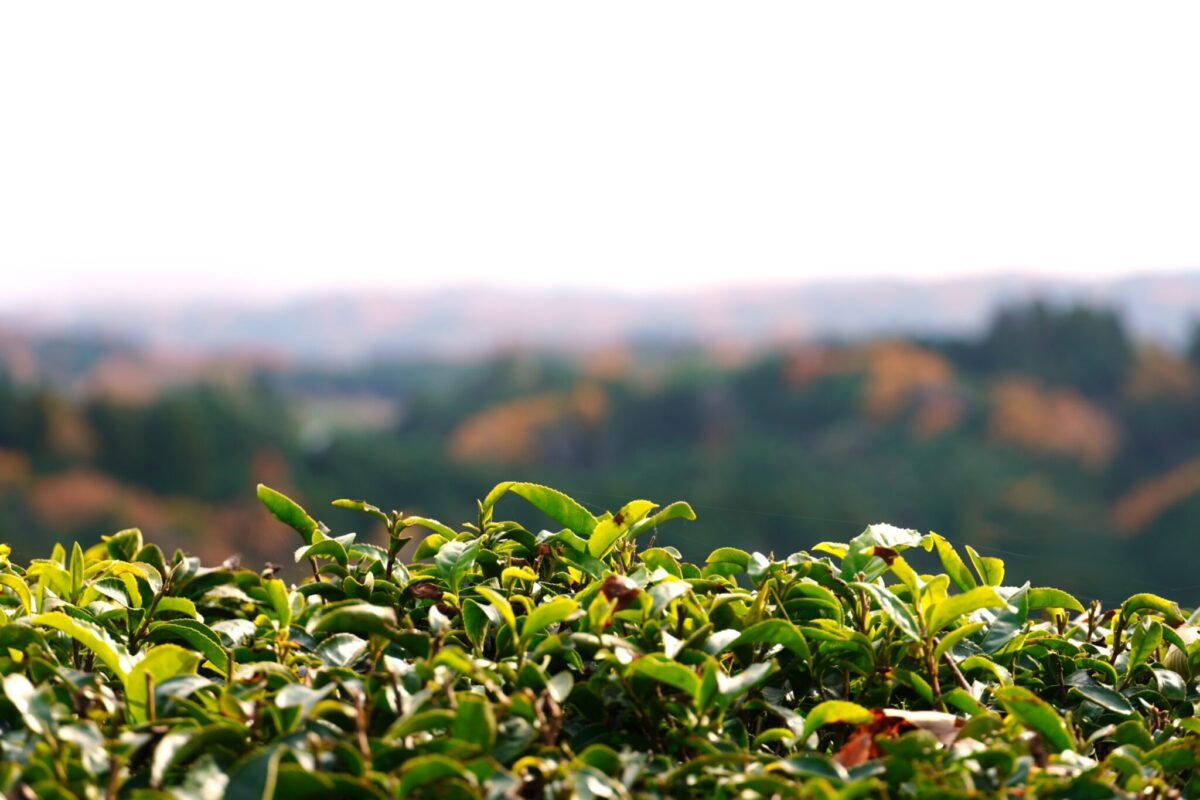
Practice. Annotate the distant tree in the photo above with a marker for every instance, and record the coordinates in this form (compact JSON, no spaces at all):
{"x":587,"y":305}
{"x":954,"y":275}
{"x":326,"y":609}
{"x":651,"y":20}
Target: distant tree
{"x":1082,"y":347}
{"x":1193,"y":350}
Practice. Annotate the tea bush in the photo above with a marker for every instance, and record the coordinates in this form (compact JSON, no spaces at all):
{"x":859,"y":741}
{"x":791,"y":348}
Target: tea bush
{"x":502,"y":662}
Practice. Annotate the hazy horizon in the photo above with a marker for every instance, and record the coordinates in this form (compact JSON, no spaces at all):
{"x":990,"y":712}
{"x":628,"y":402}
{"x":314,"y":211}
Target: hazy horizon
{"x":49,"y":301}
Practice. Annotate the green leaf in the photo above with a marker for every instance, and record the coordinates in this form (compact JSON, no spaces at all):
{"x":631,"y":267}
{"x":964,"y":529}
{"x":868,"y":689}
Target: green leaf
{"x":1152,"y":602}
{"x":445,"y":531}
{"x":474,"y":721}
{"x":582,"y":561}
{"x":1045,"y":597}
{"x":354,"y":617}
{"x":954,"y":637}
{"x":895,"y":609}
{"x":500,"y":603}
{"x":115,"y":589}
{"x":123,"y":545}
{"x":51,"y":574}
{"x":609,"y":531}
{"x":326,"y":548}
{"x":991,"y":570}
{"x":661,"y":594}
{"x":729,"y":555}
{"x":177,"y":605}
{"x":859,"y":557}
{"x":277,"y":592}
{"x":1002,"y":675}
{"x":832,"y":711}
{"x":197,"y":635}
{"x":429,"y":546}
{"x":1033,"y":712}
{"x":1143,"y":642}
{"x":295,"y":782}
{"x":455,"y":559}
{"x":19,"y":589}
{"x":1008,"y":623}
{"x":546,"y":614}
{"x":955,"y":567}
{"x":1106,"y":670}
{"x":364,"y":507}
{"x":963,"y":701}
{"x":110,"y":652}
{"x":425,"y":770}
{"x":731,"y":687}
{"x":155,"y":666}
{"x":706,"y":689}
{"x":32,"y":705}
{"x":511,"y":574}
{"x":297,"y":695}
{"x":1170,"y":685}
{"x":550,"y":502}
{"x":76,"y":572}
{"x":1176,"y":755}
{"x":907,"y":575}
{"x":434,"y":719}
{"x":342,"y":649}
{"x":288,"y":512}
{"x":475,"y":622}
{"x":1105,"y":698}
{"x":774,"y":631}
{"x":660,"y":668}
{"x":255,"y":776}
{"x":946,"y":611}
{"x":676,"y":510}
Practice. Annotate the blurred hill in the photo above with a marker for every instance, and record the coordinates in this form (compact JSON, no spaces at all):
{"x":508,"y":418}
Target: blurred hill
{"x":1052,"y":436}
{"x":469,"y":322}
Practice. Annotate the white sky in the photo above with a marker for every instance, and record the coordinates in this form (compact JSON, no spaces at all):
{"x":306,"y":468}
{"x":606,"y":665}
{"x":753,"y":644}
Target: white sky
{"x":233,"y":148}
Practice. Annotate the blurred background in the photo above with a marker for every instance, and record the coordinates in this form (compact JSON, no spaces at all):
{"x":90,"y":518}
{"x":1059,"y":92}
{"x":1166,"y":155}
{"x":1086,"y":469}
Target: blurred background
{"x":808,"y":269}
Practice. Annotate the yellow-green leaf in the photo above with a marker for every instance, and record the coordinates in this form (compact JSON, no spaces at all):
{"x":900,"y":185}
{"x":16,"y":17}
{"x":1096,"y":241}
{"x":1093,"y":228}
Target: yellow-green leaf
{"x":1033,"y":712}
{"x":288,"y":511}
{"x":957,"y":605}
{"x":550,"y":502}
{"x":832,"y":711}
{"x":546,"y":614}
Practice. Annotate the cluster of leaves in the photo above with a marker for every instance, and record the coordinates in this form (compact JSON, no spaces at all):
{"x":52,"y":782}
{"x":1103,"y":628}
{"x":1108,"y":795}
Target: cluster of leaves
{"x":502,"y":662}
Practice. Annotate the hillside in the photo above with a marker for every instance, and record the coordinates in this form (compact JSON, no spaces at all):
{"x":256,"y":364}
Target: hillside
{"x":1053,"y":439}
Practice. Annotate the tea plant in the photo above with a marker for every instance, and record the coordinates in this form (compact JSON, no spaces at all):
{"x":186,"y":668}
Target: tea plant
{"x":499,"y":661}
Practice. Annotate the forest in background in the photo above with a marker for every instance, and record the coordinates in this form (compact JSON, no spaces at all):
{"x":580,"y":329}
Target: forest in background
{"x":1053,"y":439}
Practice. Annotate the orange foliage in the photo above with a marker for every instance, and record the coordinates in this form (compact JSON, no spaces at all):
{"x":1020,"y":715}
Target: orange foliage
{"x":80,"y":497}
{"x":14,"y":467}
{"x":1052,"y":421}
{"x":510,"y":432}
{"x":608,"y":363}
{"x":74,"y":497}
{"x":898,"y":370}
{"x":938,"y":412}
{"x":1158,"y":372}
{"x":810,"y":364}
{"x":269,"y":466}
{"x":896,"y":373}
{"x":139,"y":378}
{"x":69,"y":433}
{"x":17,"y":358}
{"x":1142,"y":504}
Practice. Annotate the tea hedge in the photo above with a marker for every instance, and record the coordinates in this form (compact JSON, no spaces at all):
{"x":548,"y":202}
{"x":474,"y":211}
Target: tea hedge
{"x":582,"y":660}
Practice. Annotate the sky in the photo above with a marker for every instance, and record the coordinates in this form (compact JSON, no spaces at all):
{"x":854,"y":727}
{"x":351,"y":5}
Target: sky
{"x":262,"y":150}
